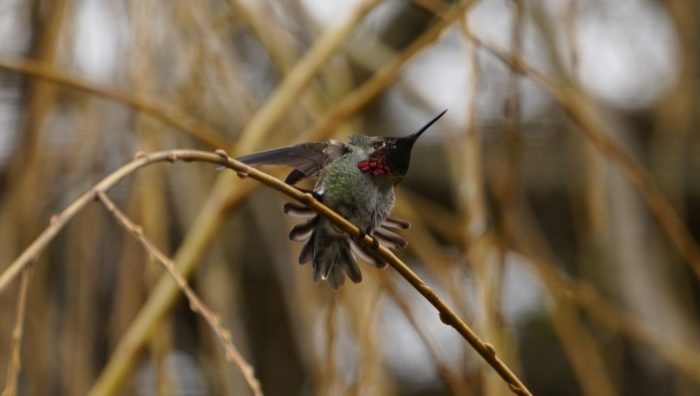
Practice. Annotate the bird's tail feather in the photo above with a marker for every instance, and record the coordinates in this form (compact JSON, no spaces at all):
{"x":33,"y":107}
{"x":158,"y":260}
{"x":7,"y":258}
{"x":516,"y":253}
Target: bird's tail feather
{"x":335,"y":255}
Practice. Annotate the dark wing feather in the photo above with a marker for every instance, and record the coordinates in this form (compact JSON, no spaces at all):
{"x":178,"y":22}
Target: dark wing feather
{"x":295,"y":176}
{"x":307,"y":159}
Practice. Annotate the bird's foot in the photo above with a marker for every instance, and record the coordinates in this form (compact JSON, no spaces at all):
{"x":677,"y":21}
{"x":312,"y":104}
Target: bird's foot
{"x":368,"y":232}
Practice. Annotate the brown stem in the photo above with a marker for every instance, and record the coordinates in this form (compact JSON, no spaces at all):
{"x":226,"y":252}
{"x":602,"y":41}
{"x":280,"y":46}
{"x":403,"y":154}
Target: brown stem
{"x":15,"y":363}
{"x":447,"y":315}
{"x":171,"y":116}
{"x":196,"y":303}
{"x":576,"y":104}
{"x":227,"y":193}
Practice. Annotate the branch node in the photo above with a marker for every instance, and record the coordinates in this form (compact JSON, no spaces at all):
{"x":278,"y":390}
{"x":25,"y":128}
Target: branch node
{"x":242,"y":173}
{"x":430,"y":294}
{"x":515,"y":388}
{"x":445,"y":319}
{"x":139,"y":154}
{"x":172,"y":157}
{"x":489,"y":347}
{"x":308,"y":198}
{"x":54,"y":219}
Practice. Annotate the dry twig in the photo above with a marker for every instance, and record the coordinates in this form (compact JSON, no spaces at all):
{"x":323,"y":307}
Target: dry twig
{"x":15,"y":363}
{"x":385,"y":76}
{"x":227,"y":193}
{"x":454,"y":382}
{"x":196,"y":304}
{"x":447,"y":315}
{"x":286,"y":94}
{"x":169,"y":115}
{"x":612,"y":317}
{"x":576,"y":104}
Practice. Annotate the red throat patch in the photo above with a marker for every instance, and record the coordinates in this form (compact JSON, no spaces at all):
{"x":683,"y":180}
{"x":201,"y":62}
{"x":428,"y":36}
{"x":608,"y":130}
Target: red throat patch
{"x":373,"y":167}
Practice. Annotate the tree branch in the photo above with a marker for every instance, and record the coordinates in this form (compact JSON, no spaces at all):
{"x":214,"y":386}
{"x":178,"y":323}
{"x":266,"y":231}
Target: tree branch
{"x":447,"y":315}
{"x":575,"y":103}
{"x":15,"y":362}
{"x":196,"y":304}
{"x":226,"y":193}
{"x":168,"y":114}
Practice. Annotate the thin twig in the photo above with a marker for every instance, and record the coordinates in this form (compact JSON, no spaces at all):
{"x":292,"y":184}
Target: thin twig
{"x":454,"y":383}
{"x":447,"y":315}
{"x":386,"y":75}
{"x":679,"y":355}
{"x":60,"y":220}
{"x":269,"y":35}
{"x":225,"y":194}
{"x":579,"y":108}
{"x":583,"y":352}
{"x":600,"y":309}
{"x":169,"y":115}
{"x":485,"y":259}
{"x":196,"y":304}
{"x":286,"y":94}
{"x":15,"y":363}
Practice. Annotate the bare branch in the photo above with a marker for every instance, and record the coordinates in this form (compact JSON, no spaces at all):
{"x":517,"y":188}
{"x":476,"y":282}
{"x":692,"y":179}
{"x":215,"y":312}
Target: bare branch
{"x":226,"y":193}
{"x":196,"y":304}
{"x":15,"y":363}
{"x":447,"y":315}
{"x":169,"y":115}
{"x":579,"y":108}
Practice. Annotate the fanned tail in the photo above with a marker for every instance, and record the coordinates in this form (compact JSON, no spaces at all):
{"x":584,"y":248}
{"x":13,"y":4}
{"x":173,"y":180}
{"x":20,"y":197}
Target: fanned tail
{"x":335,"y":255}
{"x":333,"y":260}
{"x":329,"y":253}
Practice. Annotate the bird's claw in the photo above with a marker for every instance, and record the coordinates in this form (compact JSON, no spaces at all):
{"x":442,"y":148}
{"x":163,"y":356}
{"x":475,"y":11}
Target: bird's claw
{"x":363,"y":234}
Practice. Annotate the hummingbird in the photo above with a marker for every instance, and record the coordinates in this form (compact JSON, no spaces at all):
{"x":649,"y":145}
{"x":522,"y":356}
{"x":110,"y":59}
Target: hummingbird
{"x":356,"y":179}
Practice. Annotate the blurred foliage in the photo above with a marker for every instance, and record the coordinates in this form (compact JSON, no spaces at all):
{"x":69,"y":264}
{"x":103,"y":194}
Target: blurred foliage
{"x":554,"y":246}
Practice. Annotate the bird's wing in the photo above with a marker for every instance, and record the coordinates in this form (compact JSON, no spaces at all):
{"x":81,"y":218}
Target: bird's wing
{"x":307,"y":159}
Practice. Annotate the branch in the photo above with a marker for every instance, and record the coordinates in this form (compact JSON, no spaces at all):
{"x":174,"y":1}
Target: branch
{"x":287,"y":92}
{"x":454,"y":383}
{"x":15,"y":363}
{"x":169,"y":115}
{"x":196,"y":304}
{"x":678,"y":354}
{"x":360,"y":97}
{"x":226,"y":193}
{"x":578,"y":107}
{"x":60,"y":220}
{"x":447,"y":315}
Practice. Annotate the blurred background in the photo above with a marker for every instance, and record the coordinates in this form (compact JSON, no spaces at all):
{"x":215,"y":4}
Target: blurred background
{"x":551,"y":244}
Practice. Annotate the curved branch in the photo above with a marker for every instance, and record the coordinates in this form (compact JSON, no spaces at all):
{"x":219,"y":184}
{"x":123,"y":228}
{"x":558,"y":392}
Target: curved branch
{"x":224,"y":194}
{"x":60,"y":220}
{"x":447,"y":315}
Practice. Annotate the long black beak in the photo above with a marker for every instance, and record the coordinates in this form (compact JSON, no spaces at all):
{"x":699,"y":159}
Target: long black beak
{"x":412,"y":138}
